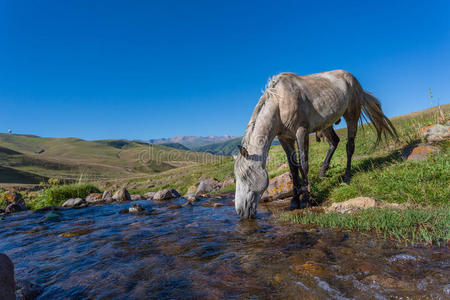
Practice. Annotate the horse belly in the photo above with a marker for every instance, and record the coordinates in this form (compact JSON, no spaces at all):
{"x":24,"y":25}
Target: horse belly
{"x":326,"y":112}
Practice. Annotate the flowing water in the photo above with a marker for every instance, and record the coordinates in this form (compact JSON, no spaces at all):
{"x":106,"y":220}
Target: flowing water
{"x":201,"y":252}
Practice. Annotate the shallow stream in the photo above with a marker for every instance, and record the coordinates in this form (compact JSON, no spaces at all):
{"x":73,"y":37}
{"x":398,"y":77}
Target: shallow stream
{"x":202,"y":252}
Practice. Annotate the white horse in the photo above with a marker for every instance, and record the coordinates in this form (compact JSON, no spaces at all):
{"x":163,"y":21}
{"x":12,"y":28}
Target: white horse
{"x":291,"y":108}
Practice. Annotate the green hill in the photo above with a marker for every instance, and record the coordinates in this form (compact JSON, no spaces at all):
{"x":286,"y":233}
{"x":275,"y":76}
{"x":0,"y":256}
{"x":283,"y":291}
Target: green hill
{"x":72,"y":158}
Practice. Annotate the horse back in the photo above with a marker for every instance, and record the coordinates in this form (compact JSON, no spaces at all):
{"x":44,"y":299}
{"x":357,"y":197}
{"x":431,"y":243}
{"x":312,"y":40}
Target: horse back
{"x":314,"y":101}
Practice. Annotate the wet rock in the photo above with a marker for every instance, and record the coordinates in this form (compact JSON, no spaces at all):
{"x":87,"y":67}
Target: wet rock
{"x":94,"y":198}
{"x":136,"y":208}
{"x":14,"y":197}
{"x":14,"y":207}
{"x":122,"y":195}
{"x":166,"y":194}
{"x":174,"y":206}
{"x":7,"y":283}
{"x":74,"y":202}
{"x":106,"y":195}
{"x":190,"y":195}
{"x":217,"y":205}
{"x":310,"y":267}
{"x":187,"y":203}
{"x":136,"y":197}
{"x":48,"y":208}
{"x":420,"y":152}
{"x":279,"y":187}
{"x":123,"y":211}
{"x":367,"y":267}
{"x":436,"y":132}
{"x":25,"y":290}
{"x":207,"y":186}
{"x":52,"y":216}
{"x":15,"y":202}
{"x":149,"y":195}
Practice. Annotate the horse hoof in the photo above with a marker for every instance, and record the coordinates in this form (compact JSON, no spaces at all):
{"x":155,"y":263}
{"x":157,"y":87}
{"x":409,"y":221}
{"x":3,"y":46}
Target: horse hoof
{"x":347,"y":179}
{"x":294,"y":204}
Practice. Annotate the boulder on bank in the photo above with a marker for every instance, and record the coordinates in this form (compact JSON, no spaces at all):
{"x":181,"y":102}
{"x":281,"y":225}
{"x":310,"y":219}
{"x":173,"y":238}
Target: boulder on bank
{"x":136,"y":197}
{"x":166,"y":194}
{"x":14,"y":207}
{"x":207,"y":186}
{"x":149,"y":195}
{"x":107,"y":195}
{"x":94,"y":198}
{"x":279,"y":187}
{"x":436,"y":132}
{"x":15,"y":202}
{"x":74,"y":202}
{"x":7,"y":283}
{"x":122,"y":195}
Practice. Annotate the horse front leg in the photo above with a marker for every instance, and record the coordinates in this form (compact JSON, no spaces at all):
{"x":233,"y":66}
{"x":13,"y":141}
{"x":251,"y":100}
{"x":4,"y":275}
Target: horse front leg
{"x":303,"y":147}
{"x":289,"y":147}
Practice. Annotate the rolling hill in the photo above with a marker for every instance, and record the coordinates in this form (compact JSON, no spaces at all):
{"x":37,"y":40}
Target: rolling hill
{"x":30,"y":158}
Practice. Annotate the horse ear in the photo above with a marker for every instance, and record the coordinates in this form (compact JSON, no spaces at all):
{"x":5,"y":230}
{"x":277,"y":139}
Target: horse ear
{"x":234,"y":156}
{"x":243,"y":151}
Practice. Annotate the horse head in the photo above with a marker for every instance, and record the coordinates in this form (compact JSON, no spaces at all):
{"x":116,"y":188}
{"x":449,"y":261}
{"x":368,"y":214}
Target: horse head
{"x":251,"y":182}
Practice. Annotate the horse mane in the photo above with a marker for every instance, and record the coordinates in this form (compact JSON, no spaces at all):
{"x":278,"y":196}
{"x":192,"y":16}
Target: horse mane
{"x":268,"y":91}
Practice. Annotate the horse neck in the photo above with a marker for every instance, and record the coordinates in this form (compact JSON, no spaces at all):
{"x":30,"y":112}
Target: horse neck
{"x":264,"y":131}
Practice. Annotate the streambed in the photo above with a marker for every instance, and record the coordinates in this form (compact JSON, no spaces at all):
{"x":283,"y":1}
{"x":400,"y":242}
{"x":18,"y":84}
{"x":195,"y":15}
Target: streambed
{"x":202,"y":252}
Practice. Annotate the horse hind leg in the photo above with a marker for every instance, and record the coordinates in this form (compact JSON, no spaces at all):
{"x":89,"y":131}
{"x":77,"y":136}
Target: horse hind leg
{"x":333,"y":141}
{"x":352,"y":127}
{"x":291,"y":154}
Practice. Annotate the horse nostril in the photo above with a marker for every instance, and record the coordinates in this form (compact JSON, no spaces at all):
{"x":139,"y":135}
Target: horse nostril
{"x":239,"y":211}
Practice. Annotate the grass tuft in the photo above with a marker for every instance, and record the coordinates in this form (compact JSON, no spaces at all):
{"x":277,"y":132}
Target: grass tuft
{"x":429,"y":226}
{"x":56,"y":195}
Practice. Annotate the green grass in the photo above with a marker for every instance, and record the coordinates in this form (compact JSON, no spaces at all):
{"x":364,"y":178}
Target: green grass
{"x":56,"y":195}
{"x":429,"y":226}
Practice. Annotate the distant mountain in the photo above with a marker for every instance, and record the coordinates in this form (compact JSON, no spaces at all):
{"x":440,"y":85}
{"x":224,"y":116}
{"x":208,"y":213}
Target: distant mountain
{"x":222,"y":148}
{"x":225,"y":148}
{"x":175,"y":145}
{"x":192,"y":141}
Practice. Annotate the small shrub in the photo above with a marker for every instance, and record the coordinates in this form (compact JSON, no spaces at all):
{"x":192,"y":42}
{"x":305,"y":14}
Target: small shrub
{"x":56,"y":195}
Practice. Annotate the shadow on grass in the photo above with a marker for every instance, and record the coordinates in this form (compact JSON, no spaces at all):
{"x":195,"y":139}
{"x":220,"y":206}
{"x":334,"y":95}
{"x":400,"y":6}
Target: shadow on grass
{"x":322,"y":192}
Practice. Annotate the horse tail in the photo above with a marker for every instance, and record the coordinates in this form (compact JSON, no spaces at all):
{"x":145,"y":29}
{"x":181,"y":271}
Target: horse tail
{"x":371,"y":108}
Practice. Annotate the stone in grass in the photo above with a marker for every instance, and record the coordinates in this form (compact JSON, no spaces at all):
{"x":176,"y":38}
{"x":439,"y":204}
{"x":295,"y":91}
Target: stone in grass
{"x":420,"y":152}
{"x":436,"y":132}
{"x":352,"y":205}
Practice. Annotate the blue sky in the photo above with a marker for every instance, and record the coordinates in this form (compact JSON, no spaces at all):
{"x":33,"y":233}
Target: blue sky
{"x":149,"y":69}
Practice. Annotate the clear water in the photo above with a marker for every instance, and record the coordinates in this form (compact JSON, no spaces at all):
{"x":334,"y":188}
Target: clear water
{"x":199,"y":252}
